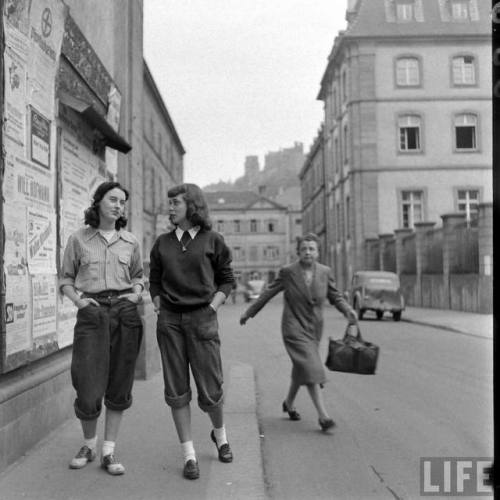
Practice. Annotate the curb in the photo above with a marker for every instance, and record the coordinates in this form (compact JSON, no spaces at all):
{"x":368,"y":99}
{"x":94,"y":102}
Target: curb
{"x":246,"y":480}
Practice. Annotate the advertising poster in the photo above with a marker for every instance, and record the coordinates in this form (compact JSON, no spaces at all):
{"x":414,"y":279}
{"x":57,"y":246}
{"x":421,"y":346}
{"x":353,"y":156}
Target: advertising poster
{"x":81,"y":174}
{"x":41,"y":241}
{"x":26,"y":183}
{"x":15,"y":96}
{"x":17,"y":314}
{"x":44,"y":306}
{"x":66,"y":319}
{"x":15,"y":256}
{"x":16,"y":25}
{"x":40,"y":139}
{"x":46,"y":33}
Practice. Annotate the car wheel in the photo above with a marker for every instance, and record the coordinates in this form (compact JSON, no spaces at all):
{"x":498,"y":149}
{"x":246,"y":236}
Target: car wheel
{"x":358,"y":310}
{"x":396,"y":315}
{"x":379,"y":314}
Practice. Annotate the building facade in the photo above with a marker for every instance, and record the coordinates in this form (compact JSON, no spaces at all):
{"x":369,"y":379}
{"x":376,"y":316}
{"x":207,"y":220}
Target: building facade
{"x":162,"y":162}
{"x":313,"y":193}
{"x":255,"y":228}
{"x":75,"y":97}
{"x":407,"y":127}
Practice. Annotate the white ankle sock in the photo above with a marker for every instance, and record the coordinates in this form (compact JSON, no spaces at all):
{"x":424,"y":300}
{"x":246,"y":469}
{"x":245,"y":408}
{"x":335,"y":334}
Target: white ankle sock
{"x":91,"y":443}
{"x":188,"y":451}
{"x":220,"y":436}
{"x":108,"y":448}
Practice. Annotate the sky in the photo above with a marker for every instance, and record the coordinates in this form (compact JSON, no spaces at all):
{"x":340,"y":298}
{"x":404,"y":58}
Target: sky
{"x":240,"y":77}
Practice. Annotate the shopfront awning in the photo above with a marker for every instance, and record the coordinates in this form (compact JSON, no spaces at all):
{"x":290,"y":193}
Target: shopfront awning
{"x":112,"y":139}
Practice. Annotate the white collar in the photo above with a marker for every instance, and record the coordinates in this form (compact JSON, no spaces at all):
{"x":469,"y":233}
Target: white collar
{"x":192,"y":232}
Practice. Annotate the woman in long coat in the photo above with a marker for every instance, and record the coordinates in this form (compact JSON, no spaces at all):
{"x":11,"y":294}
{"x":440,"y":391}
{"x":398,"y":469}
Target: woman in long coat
{"x":306,"y":284}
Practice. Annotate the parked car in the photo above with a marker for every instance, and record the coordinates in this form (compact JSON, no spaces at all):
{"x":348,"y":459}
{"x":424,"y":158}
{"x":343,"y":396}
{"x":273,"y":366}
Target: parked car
{"x":253,"y":289}
{"x":377,"y":291}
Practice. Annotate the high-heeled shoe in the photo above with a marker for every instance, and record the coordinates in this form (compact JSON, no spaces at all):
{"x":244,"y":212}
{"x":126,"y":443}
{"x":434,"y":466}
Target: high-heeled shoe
{"x":292,"y":413}
{"x":326,"y":423}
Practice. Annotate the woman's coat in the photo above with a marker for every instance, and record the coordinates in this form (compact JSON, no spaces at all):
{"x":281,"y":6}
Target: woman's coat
{"x":302,"y":318}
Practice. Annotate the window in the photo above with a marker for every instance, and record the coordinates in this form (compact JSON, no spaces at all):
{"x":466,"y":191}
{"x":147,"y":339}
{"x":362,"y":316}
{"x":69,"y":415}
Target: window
{"x":334,"y":102}
{"x":271,"y":226}
{"x":409,"y":133}
{"x":348,"y":216}
{"x":344,"y":86}
{"x":298,"y":222}
{"x":220,"y":226}
{"x":465,"y":132}
{"x":237,"y":226}
{"x":405,"y":10}
{"x":468,"y":201}
{"x":339,"y":226}
{"x":253,"y":225}
{"x":407,"y":72}
{"x":463,"y":70}
{"x":336,"y":155}
{"x":346,"y":144}
{"x":411,"y":207}
{"x":459,"y":10}
{"x":271,"y":253}
{"x":238,"y":253}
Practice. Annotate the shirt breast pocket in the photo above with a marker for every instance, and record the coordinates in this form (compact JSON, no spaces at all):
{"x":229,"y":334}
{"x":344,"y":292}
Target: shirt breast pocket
{"x":89,"y":269}
{"x":124,"y":265}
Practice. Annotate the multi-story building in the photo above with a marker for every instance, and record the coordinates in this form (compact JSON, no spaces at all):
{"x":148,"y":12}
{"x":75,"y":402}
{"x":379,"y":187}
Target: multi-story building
{"x":407,"y":128}
{"x":162,"y":161}
{"x":82,"y":110}
{"x":313,"y":189}
{"x":255,"y":228}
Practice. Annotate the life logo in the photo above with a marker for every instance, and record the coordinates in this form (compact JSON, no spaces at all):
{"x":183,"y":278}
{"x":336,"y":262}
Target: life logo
{"x":46,"y":22}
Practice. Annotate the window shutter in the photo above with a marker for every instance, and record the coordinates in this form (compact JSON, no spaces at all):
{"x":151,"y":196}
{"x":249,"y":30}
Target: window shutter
{"x":419,"y":11}
{"x":474,"y":12}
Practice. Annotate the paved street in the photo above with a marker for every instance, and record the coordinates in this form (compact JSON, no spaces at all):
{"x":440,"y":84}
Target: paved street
{"x":431,"y":396}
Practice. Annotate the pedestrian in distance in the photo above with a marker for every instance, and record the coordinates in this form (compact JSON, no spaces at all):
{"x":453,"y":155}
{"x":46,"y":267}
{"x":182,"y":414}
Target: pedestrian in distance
{"x":102,"y":275}
{"x":190,"y":278}
{"x":306,"y":284}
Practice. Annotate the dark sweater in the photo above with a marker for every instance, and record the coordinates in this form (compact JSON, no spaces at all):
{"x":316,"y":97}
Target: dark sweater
{"x":189,"y":280}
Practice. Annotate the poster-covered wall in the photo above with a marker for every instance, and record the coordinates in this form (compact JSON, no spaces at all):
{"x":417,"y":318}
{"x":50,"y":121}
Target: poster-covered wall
{"x":51,"y":169}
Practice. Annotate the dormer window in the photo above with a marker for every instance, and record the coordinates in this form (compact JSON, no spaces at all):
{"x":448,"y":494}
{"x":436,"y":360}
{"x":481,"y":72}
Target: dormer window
{"x":459,"y":10}
{"x":405,"y":10}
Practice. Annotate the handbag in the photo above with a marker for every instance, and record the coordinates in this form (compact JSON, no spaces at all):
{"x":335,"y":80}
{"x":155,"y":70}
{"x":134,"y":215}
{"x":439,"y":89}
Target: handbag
{"x":352,"y":354}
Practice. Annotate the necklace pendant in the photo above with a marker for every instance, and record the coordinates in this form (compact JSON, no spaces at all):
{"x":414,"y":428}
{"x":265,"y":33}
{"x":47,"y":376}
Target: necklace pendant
{"x":183,"y":248}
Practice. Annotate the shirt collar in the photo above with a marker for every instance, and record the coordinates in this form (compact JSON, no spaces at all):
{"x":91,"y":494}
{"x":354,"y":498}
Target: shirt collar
{"x":192,"y":232}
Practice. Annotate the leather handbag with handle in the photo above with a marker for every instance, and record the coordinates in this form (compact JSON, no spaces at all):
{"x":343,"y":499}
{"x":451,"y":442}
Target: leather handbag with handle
{"x":352,"y":354}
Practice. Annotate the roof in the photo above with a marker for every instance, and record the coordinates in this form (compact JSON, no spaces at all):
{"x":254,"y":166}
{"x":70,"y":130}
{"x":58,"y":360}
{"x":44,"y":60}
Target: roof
{"x":237,"y":200}
{"x":374,"y":19}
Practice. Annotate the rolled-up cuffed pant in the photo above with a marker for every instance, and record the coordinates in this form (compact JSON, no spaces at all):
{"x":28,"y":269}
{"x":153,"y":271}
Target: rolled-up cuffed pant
{"x":191,"y":339}
{"x":105,"y":348}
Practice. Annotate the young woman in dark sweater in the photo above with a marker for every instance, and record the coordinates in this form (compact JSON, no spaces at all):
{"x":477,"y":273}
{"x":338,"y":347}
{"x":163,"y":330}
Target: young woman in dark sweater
{"x":190,"y":278}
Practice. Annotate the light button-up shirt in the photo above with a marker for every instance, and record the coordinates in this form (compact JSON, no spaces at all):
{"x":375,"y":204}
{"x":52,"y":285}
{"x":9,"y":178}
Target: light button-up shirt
{"x":91,"y":264}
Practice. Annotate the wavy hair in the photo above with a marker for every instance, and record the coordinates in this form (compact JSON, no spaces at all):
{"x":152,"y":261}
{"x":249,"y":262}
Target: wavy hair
{"x":92,"y":217}
{"x":307,"y":237}
{"x":197,"y":208}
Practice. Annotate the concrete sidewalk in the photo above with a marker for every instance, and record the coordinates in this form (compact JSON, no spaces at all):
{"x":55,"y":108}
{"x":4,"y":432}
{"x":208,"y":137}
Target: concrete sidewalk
{"x":479,"y":325}
{"x":149,"y":449}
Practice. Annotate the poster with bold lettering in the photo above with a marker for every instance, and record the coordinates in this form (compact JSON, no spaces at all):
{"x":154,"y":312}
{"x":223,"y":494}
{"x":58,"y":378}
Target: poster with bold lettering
{"x":15,"y":106}
{"x":15,"y":256}
{"x":40,"y":139}
{"x":16,"y":24}
{"x":17,"y":314}
{"x":44,"y":306}
{"x":26,"y":183}
{"x":41,"y":241}
{"x":47,"y":19}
